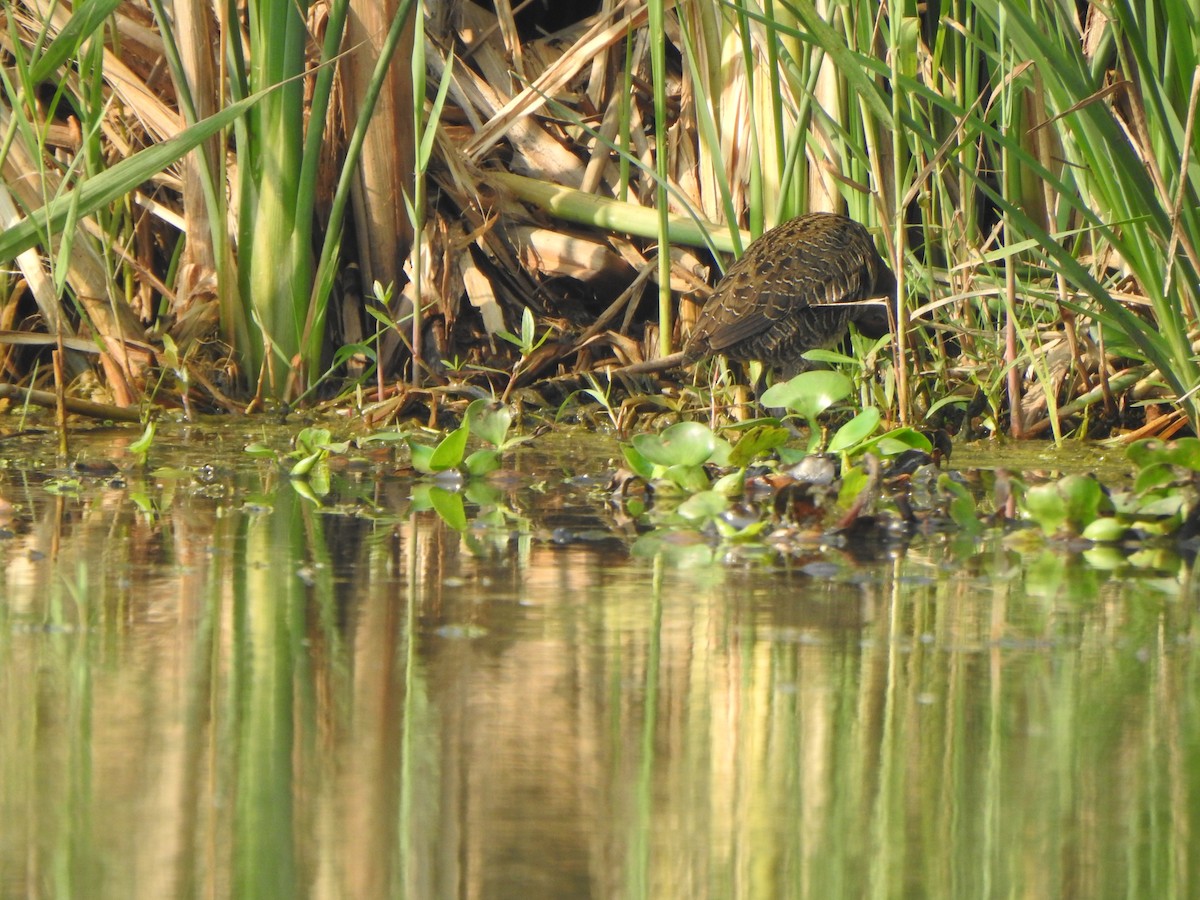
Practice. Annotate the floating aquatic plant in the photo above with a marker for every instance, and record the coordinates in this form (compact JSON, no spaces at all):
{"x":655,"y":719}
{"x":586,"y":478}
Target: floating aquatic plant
{"x":488,"y":420}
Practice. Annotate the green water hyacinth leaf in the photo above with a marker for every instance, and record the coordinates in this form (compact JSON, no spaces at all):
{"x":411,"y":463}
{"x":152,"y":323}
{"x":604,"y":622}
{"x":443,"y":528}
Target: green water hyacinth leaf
{"x":809,"y":393}
{"x":898,"y":441}
{"x":1165,"y":507}
{"x":854,"y":482}
{"x":759,"y":441}
{"x":855,"y":431}
{"x":962,"y":505}
{"x":1143,"y":453}
{"x":1046,"y":506}
{"x":720,"y":453}
{"x":703,"y":505}
{"x":637,"y":463}
{"x":1152,"y":476}
{"x":482,"y":462}
{"x":305,"y":465}
{"x":449,"y":506}
{"x":731,"y":484}
{"x":310,"y":440}
{"x":314,"y":484}
{"x":489,"y":421}
{"x":688,"y":478}
{"x":683,"y":444}
{"x":1185,"y":452}
{"x":1082,"y":495}
{"x":1105,"y":530}
{"x":314,"y":436}
{"x":449,"y":452}
{"x":422,"y":457}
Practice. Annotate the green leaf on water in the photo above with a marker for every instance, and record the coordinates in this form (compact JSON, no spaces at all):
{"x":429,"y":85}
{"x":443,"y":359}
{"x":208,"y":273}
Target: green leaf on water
{"x":1046,"y":506}
{"x":1152,"y":476}
{"x":1105,"y":529}
{"x":1082,"y":496}
{"x":962,"y":505}
{"x":731,"y":484}
{"x":141,"y":447}
{"x":898,"y":440}
{"x":703,"y":505}
{"x":489,"y":421}
{"x":688,"y":478}
{"x":449,"y":452}
{"x":422,"y":457}
{"x":855,"y":431}
{"x":1185,"y":452}
{"x":304,"y":466}
{"x":637,"y":463}
{"x":683,"y":444}
{"x":759,"y":441}
{"x":721,"y":452}
{"x":482,"y":462}
{"x":809,"y":393}
{"x":854,"y":482}
{"x":449,"y":506}
{"x":1145,"y":452}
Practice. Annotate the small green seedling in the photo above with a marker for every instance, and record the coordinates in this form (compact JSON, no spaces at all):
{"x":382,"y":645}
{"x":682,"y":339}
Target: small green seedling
{"x":527,"y":341}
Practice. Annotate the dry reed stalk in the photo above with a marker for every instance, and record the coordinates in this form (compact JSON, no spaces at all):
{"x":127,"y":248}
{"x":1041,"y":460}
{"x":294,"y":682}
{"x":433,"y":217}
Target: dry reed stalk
{"x":535,"y":151}
{"x":605,"y":32}
{"x":387,"y":163}
{"x":113,"y":322}
{"x":197,"y":280}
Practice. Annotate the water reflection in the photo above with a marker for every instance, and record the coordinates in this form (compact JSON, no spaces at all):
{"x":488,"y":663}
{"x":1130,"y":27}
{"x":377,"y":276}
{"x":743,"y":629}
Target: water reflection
{"x":225,"y":689}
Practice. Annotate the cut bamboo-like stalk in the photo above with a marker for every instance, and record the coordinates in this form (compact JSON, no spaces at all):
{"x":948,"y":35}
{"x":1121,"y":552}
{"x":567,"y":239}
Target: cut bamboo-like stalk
{"x":601,"y":212}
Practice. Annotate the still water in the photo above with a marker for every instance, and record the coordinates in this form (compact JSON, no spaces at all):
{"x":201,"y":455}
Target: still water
{"x":217,"y":683}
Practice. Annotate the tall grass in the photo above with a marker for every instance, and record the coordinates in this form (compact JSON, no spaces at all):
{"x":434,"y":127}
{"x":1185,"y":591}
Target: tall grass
{"x":278,"y":131}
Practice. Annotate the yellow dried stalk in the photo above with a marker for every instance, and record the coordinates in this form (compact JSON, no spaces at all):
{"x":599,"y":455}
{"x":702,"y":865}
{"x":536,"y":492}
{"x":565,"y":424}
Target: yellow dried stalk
{"x":606,"y":31}
{"x":160,"y":121}
{"x":481,"y":294}
{"x":555,"y":253}
{"x":385,"y":172}
{"x":536,"y":152}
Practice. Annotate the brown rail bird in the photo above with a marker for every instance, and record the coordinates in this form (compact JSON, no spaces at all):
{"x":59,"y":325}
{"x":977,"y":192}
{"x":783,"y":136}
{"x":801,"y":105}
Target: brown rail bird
{"x":795,"y":289}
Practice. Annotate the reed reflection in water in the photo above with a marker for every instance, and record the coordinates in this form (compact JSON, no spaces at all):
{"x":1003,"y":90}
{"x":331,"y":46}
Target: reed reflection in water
{"x":232,"y":697}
